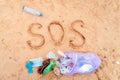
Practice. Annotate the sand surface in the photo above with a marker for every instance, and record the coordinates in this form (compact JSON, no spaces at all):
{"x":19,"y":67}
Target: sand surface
{"x":84,"y":25}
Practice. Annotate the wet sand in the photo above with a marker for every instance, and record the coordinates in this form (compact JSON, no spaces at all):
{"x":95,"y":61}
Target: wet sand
{"x":82,"y":25}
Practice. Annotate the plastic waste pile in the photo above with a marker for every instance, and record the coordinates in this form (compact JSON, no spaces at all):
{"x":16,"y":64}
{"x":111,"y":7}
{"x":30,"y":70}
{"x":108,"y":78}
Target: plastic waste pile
{"x":67,"y":64}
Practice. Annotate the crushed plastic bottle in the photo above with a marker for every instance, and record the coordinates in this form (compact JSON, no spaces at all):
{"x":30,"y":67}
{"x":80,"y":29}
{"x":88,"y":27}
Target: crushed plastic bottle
{"x":37,"y":62}
{"x":82,"y":63}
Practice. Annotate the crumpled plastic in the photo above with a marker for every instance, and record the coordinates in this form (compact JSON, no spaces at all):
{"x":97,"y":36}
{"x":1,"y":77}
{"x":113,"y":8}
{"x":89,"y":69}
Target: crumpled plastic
{"x":36,"y":62}
{"x":56,"y":70}
{"x":52,"y":55}
{"x":77,"y":62}
{"x":69,"y":63}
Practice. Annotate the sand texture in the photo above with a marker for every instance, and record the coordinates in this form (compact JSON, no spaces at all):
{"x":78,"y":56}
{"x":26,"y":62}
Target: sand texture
{"x":78,"y":25}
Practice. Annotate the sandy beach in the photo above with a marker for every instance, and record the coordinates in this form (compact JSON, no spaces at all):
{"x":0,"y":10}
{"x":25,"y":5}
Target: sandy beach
{"x":77,"y":25}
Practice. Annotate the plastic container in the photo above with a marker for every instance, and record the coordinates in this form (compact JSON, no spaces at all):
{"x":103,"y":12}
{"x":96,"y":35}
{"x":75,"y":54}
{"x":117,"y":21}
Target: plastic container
{"x":82,"y":63}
